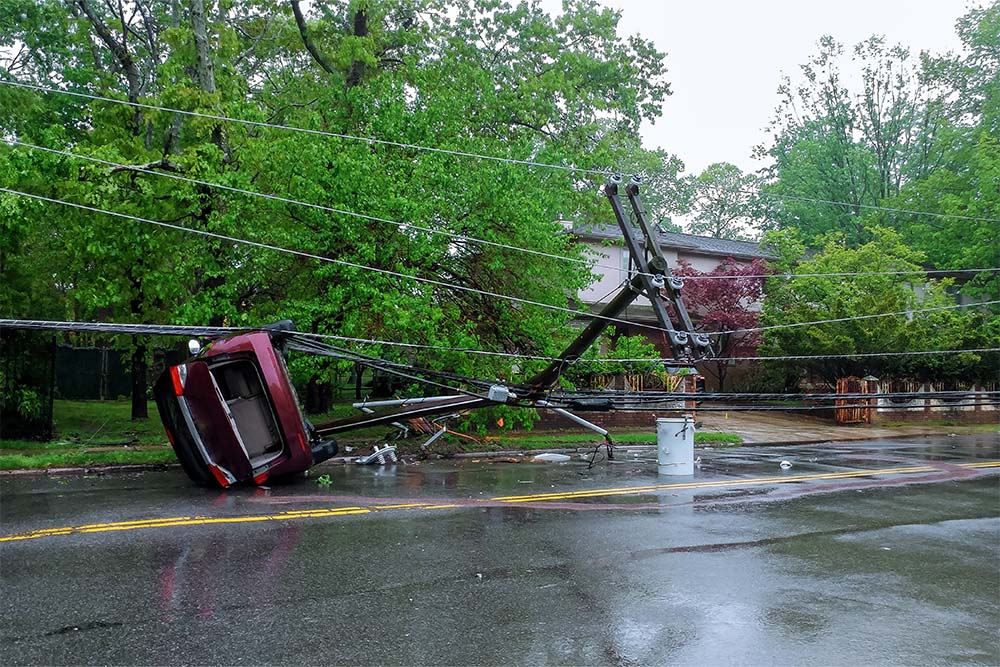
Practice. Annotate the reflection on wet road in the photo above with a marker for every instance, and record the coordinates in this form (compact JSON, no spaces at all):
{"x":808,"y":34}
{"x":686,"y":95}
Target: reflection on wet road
{"x":868,"y":552}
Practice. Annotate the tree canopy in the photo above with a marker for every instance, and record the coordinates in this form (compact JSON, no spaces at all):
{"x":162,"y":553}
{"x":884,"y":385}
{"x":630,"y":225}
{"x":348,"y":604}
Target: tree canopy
{"x":496,"y":78}
{"x":919,"y":134}
{"x":726,"y":300}
{"x":889,"y":281}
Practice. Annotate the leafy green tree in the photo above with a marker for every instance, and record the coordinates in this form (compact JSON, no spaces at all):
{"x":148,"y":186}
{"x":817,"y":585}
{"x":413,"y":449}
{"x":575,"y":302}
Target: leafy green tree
{"x":834,"y":152}
{"x":496,"y":78}
{"x":665,"y":191}
{"x":725,"y":202}
{"x":616,"y":355}
{"x":967,"y":84}
{"x":964,"y":186}
{"x":811,"y":298}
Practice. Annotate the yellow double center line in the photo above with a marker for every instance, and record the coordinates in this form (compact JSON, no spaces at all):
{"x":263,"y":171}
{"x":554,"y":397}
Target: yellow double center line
{"x":632,"y":490}
{"x":533,"y":498}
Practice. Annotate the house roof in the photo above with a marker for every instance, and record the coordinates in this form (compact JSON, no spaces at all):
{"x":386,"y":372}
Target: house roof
{"x":704,"y":245}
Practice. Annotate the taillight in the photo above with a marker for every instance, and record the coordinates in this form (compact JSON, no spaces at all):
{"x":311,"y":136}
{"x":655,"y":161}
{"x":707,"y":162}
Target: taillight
{"x":220,"y":476}
{"x":178,"y":374}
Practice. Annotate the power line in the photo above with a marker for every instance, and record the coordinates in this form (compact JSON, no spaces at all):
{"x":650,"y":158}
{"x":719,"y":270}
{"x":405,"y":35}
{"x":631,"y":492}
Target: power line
{"x":797,"y":357}
{"x":839,"y":274}
{"x":941,"y":408}
{"x":418,"y":147}
{"x":122,"y":328}
{"x":860,"y":355}
{"x":870,"y":207}
{"x":292,"y":336}
{"x":197,"y":331}
{"x":649,"y":360}
{"x":299,"y":253}
{"x":856,"y":317}
{"x":657,"y":396}
{"x":435,"y":348}
{"x":461,"y":237}
{"x":321,"y":133}
{"x":453,"y":286}
{"x":320,"y":207}
{"x":390,"y":367}
{"x":400,"y":370}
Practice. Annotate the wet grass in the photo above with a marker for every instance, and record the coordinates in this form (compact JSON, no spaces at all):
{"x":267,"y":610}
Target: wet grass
{"x":35,"y":446}
{"x":89,"y":433}
{"x":83,"y":459}
{"x":100,"y":422}
{"x":718,"y":439}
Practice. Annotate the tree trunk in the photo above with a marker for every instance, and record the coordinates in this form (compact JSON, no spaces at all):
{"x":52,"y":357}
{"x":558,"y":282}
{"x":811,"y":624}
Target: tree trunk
{"x":122,"y":55}
{"x":139,"y":371}
{"x":357,"y":71}
{"x":319,"y":396}
{"x":206,"y":67}
{"x":171,"y":143}
{"x":722,"y":370}
{"x":206,"y":81}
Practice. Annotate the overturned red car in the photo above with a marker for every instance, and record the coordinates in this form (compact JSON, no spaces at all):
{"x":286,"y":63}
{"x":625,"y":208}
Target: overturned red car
{"x":232,"y":416}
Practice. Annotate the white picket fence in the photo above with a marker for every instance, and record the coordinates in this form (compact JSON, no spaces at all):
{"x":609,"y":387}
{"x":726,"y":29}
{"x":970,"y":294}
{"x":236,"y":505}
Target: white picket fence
{"x":972,"y":399}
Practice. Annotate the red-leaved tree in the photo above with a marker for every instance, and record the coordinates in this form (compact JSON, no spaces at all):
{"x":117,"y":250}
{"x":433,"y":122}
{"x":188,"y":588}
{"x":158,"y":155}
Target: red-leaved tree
{"x":724,"y":300}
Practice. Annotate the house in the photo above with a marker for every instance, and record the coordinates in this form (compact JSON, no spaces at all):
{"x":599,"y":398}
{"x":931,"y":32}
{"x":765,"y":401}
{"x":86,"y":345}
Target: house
{"x":605,"y":244}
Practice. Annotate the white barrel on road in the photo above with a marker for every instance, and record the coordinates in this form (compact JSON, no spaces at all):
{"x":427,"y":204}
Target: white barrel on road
{"x":675,"y":445}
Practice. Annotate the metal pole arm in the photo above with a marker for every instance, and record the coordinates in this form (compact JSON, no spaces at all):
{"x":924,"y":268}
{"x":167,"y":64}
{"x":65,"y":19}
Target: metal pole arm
{"x":541,"y":382}
{"x":700,"y":345}
{"x":445,"y":405}
{"x":655,"y":273}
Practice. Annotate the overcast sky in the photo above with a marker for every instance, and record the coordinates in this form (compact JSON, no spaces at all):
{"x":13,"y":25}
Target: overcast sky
{"x":725,"y":59}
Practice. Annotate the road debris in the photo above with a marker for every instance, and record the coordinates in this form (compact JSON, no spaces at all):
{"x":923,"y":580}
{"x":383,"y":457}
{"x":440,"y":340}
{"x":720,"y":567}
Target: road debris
{"x":550,"y":458}
{"x":380,"y":455}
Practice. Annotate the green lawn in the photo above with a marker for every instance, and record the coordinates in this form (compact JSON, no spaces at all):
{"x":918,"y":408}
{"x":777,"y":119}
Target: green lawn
{"x":83,"y":458}
{"x":106,"y":421}
{"x":89,"y":433}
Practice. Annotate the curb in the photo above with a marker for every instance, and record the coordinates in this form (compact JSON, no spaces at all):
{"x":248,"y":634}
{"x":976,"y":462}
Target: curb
{"x":99,"y":469}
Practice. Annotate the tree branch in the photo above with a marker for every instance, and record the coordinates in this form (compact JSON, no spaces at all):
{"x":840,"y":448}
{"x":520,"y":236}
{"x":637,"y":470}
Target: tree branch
{"x":121,"y":54}
{"x":164,"y":164}
{"x":300,"y":21}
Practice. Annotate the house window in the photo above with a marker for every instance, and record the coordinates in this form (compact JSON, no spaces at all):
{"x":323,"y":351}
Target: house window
{"x":624,"y":273}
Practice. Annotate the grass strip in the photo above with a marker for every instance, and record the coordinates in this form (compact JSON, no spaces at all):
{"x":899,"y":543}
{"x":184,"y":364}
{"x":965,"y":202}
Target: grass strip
{"x":70,"y":459}
{"x":57,"y":446}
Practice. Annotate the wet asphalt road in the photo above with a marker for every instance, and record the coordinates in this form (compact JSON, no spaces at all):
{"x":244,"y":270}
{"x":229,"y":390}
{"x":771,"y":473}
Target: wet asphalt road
{"x":428,"y":564}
